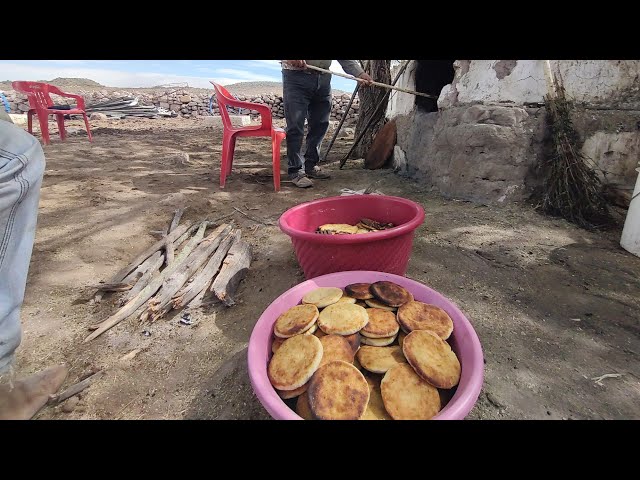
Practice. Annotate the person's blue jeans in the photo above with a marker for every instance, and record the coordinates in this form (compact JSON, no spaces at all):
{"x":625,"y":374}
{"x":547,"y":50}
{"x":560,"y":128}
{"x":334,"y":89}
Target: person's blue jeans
{"x":305,"y":96}
{"x":21,"y":170}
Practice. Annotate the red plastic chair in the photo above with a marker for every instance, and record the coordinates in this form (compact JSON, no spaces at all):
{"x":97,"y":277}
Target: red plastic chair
{"x":230,"y":133}
{"x":41,"y":103}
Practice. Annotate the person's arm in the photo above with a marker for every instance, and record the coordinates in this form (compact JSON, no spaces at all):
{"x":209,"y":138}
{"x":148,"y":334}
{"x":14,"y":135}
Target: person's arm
{"x":296,"y":63}
{"x":352,"y":67}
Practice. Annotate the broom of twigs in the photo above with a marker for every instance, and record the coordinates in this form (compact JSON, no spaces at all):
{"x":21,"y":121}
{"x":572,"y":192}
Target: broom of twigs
{"x":571,"y":189}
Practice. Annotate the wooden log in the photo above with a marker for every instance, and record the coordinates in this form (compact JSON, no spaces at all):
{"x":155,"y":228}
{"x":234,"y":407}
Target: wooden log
{"x":148,"y":291}
{"x":170,"y":247}
{"x":135,"y":276}
{"x":198,"y":299}
{"x":204,"y":278}
{"x":233,"y":270}
{"x":161,"y":303}
{"x":157,"y":259}
{"x":74,"y":389}
{"x":123,"y":272}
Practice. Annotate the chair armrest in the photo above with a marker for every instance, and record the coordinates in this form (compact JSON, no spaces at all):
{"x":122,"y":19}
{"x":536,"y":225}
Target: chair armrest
{"x":263,"y":110}
{"x":79,"y":99}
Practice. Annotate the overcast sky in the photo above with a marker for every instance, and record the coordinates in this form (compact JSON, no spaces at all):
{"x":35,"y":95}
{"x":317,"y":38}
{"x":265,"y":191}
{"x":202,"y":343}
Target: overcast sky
{"x":148,"y":73}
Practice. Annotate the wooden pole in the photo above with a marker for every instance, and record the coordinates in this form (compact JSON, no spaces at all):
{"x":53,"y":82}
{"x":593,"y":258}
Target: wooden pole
{"x":344,"y":117}
{"x":357,"y":140}
{"x":378,"y":84}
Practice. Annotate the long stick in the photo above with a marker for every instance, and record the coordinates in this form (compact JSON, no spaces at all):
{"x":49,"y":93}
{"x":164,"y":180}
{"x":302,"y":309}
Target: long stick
{"x":378,"y":84}
{"x":74,"y":389}
{"x":344,"y":117}
{"x":373,"y":115}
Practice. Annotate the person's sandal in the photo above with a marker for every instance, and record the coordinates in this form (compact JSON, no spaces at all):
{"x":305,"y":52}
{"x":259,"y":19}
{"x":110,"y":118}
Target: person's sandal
{"x":318,"y":173}
{"x":302,"y":181}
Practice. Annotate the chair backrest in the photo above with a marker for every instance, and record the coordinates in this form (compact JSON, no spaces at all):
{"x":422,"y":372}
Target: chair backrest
{"x":223,"y":96}
{"x":37,"y":93}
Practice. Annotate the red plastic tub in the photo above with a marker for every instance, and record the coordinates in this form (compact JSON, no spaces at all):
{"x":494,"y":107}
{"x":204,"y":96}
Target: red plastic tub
{"x":385,"y":251}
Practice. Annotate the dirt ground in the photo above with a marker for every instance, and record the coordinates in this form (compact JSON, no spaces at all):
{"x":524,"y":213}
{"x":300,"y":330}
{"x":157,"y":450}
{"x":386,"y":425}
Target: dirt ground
{"x":554,"y":306}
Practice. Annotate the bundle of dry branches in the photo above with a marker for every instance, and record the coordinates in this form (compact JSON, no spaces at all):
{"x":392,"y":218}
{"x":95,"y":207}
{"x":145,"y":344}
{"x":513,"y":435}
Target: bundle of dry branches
{"x":572,"y":189}
{"x":194,"y":266}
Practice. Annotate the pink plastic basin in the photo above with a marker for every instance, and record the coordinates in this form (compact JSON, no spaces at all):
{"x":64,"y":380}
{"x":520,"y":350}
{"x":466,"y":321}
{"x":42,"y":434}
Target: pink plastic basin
{"x":384,"y":251}
{"x":464,"y":342}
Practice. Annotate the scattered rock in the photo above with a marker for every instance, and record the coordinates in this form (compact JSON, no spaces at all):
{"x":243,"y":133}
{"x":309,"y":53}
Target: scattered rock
{"x":70,"y":404}
{"x":98,"y":116}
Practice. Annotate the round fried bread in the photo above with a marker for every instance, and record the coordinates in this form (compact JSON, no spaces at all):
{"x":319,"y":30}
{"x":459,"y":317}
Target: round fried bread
{"x":354,"y":340}
{"x":311,"y":330}
{"x":432,"y":358}
{"x":322,"y":296}
{"x":408,"y":397}
{"x":359,"y":291}
{"x":378,"y":342}
{"x":338,"y":391}
{"x":347,"y":299}
{"x":375,"y":408}
{"x":277,"y":342}
{"x":287,"y":394}
{"x":401,"y":337}
{"x":336,"y":347}
{"x":382,"y":324}
{"x":295,"y":320}
{"x":373,"y":303}
{"x":380,"y":359}
{"x":295,"y":362}
{"x":423,"y":316}
{"x":390,"y":293}
{"x":342,"y":319}
{"x":302,"y":407}
{"x":319,"y":333}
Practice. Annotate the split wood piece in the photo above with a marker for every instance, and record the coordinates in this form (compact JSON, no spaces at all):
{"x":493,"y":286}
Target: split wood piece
{"x":156,"y":261}
{"x":122,"y":273}
{"x":205,"y":277}
{"x":148,"y":291}
{"x":170,"y":247}
{"x":74,"y":389}
{"x":113,"y":287}
{"x":233,"y":270}
{"x":161,"y":303}
{"x":137,"y":274}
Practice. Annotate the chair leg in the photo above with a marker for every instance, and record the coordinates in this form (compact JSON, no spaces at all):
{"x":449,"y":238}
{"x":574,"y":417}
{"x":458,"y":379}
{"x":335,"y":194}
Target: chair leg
{"x":43,"y":119}
{"x":60,"y":120}
{"x":228,"y":148}
{"x":275,"y":147}
{"x":30,"y":121}
{"x":86,"y":123}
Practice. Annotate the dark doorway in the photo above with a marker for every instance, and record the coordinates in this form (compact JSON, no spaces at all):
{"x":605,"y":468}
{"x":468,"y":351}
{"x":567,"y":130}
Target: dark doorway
{"x":431,"y":76}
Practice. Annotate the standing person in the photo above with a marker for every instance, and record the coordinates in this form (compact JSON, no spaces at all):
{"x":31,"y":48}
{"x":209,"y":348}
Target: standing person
{"x":21,"y":170}
{"x":307,"y":95}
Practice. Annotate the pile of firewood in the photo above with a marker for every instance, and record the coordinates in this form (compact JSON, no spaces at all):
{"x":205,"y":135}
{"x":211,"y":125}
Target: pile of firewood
{"x":185,"y":268}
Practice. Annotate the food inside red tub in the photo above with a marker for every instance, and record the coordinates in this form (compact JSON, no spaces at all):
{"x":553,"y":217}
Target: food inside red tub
{"x":389,"y":363}
{"x":365,"y":225}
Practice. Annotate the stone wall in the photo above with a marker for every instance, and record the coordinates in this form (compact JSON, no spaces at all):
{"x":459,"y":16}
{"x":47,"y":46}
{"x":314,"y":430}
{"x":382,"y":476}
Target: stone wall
{"x":186,"y":103}
{"x":480,"y":153}
{"x":490,"y":135}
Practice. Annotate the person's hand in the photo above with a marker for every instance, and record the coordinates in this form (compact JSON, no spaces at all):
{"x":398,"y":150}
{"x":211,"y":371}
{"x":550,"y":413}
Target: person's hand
{"x":297,"y":63}
{"x":368,"y":81}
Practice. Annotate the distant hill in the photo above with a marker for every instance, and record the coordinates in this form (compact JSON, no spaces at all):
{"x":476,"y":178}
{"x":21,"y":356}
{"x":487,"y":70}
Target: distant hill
{"x":241,"y":88}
